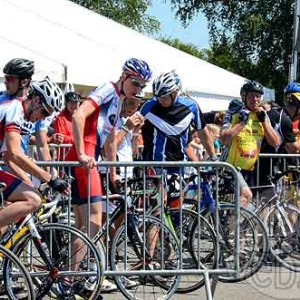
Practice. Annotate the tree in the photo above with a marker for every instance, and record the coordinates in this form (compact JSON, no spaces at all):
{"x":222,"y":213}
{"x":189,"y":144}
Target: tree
{"x":188,"y":48}
{"x":130,"y":13}
{"x":255,"y":34}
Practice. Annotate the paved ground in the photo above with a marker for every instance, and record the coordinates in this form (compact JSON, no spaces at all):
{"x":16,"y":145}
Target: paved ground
{"x":269,"y":283}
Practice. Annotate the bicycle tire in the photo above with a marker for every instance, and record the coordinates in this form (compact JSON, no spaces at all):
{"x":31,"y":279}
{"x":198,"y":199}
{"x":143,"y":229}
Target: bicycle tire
{"x":254,"y":250}
{"x":284,"y":236}
{"x":148,"y":286}
{"x":195,"y":247}
{"x":47,"y":279}
{"x":12,"y":268}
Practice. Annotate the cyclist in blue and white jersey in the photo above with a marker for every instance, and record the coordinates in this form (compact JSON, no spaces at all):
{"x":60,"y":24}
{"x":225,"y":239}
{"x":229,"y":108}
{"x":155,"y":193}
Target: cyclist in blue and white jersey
{"x":168,"y":117}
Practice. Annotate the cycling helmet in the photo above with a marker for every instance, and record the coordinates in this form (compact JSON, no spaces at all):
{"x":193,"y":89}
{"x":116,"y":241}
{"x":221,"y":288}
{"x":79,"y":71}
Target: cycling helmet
{"x":252,"y":86}
{"x":140,"y":96}
{"x":50,"y":92}
{"x":293,"y":87}
{"x":72,"y":97}
{"x":137,"y":67}
{"x":20,"y":67}
{"x":165,"y":84}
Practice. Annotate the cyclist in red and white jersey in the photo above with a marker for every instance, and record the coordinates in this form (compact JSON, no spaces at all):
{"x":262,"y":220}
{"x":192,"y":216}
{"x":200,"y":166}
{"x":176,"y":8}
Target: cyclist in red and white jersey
{"x":96,"y":119}
{"x":14,"y":108}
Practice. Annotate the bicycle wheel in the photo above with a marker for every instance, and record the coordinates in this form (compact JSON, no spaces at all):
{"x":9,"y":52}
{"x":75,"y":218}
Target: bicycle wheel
{"x":150,"y":246}
{"x":282,"y":223}
{"x":198,"y":244}
{"x":17,"y":280}
{"x":253,"y":242}
{"x":58,"y":270}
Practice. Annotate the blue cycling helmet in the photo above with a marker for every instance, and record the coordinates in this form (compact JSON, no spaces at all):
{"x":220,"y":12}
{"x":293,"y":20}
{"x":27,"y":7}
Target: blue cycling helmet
{"x":293,"y":87}
{"x":137,"y":67}
{"x":252,"y":86}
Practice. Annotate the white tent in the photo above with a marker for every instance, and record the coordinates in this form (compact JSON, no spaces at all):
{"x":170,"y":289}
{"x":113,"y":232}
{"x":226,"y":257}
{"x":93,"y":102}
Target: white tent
{"x":69,"y":42}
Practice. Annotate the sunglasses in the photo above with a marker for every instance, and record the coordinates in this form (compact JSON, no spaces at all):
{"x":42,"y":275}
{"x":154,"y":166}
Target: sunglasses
{"x":137,"y":83}
{"x":10,"y":78}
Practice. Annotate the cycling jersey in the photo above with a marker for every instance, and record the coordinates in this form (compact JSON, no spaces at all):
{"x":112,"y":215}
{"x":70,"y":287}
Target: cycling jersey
{"x":98,"y":126}
{"x":166,"y":130}
{"x":244,"y":149}
{"x":11,"y":119}
{"x":11,"y":115}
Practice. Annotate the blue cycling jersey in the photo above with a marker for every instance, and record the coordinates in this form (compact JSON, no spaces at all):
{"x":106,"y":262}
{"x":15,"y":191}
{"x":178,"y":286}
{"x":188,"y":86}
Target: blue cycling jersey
{"x":166,"y":130}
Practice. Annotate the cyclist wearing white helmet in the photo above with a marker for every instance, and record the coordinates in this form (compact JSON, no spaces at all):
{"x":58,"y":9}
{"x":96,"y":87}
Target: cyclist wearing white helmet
{"x":168,"y":117}
{"x":23,"y":197}
{"x":94,"y":121}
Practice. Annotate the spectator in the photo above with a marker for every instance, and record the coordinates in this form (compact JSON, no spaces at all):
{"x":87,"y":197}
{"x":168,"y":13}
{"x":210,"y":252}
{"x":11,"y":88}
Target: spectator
{"x":127,"y":128}
{"x":215,"y":131}
{"x":63,"y":123}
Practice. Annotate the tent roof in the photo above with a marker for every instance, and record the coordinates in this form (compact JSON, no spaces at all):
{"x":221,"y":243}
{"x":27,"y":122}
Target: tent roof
{"x":60,"y":35}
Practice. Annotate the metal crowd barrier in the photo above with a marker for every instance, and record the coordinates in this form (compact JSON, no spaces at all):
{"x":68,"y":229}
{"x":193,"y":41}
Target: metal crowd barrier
{"x":201,"y":270}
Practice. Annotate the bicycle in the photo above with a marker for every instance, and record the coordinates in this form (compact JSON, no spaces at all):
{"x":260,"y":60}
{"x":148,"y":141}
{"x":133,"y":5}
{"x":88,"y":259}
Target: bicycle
{"x":253,"y":236}
{"x":181,"y":221}
{"x":282,"y":218}
{"x":45,"y":249}
{"x":133,"y":249}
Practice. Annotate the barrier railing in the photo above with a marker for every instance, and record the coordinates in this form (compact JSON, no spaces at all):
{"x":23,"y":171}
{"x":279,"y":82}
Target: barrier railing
{"x":180,"y":268}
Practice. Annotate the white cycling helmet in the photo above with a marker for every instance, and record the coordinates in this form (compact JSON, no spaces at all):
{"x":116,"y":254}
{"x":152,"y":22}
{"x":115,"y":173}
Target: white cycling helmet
{"x":51,"y":93}
{"x":165,"y":84}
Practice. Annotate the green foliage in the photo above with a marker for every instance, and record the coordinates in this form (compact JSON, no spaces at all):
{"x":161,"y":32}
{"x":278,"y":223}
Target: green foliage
{"x":252,"y":38}
{"x":130,"y":13}
{"x":188,"y":48}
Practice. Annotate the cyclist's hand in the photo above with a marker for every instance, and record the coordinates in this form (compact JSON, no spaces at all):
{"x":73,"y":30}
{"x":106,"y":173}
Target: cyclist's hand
{"x":261,"y":115}
{"x":235,"y":106}
{"x":59,"y":185}
{"x":244,"y":115}
{"x":87,"y":161}
{"x":58,"y":138}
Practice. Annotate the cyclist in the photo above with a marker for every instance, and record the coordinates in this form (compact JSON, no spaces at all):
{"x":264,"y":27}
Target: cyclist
{"x":245,"y":125}
{"x":168,"y":117}
{"x":14,"y":108}
{"x":96,"y":119}
{"x":282,"y":121}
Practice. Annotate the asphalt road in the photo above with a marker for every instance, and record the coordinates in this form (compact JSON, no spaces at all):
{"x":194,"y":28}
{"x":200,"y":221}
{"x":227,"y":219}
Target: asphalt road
{"x":270,"y":283}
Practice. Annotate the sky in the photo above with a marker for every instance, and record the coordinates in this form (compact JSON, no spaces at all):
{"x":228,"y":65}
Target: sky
{"x":196,"y":33}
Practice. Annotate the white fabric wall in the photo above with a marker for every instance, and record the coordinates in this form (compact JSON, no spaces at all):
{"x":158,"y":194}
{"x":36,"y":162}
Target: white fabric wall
{"x":58,"y":33}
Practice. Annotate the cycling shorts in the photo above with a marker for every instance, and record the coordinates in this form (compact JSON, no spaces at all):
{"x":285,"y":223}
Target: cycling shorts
{"x":11,"y":181}
{"x":80,"y":186}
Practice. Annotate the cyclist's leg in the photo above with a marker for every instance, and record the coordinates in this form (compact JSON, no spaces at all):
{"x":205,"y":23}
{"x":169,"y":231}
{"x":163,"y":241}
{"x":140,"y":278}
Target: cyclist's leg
{"x":245,"y":192}
{"x":23,"y":199}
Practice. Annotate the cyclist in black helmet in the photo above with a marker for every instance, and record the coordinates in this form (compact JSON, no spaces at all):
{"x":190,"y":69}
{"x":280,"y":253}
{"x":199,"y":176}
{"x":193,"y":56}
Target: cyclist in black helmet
{"x":18,"y":73}
{"x":246,"y":124}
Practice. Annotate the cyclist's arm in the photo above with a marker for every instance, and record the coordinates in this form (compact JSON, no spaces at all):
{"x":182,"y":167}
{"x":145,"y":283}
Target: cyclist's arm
{"x":14,"y":154}
{"x":78,"y":123}
{"x":14,"y":169}
{"x":189,"y":150}
{"x":42,"y":146}
{"x":207,"y":141}
{"x":228,"y":134}
{"x":110,"y":149}
{"x":271,"y":135}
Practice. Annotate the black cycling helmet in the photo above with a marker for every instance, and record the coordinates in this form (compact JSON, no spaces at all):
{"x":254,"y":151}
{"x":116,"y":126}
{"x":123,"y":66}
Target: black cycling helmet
{"x":72,"y":97}
{"x":252,"y":86}
{"x":20,"y":67}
